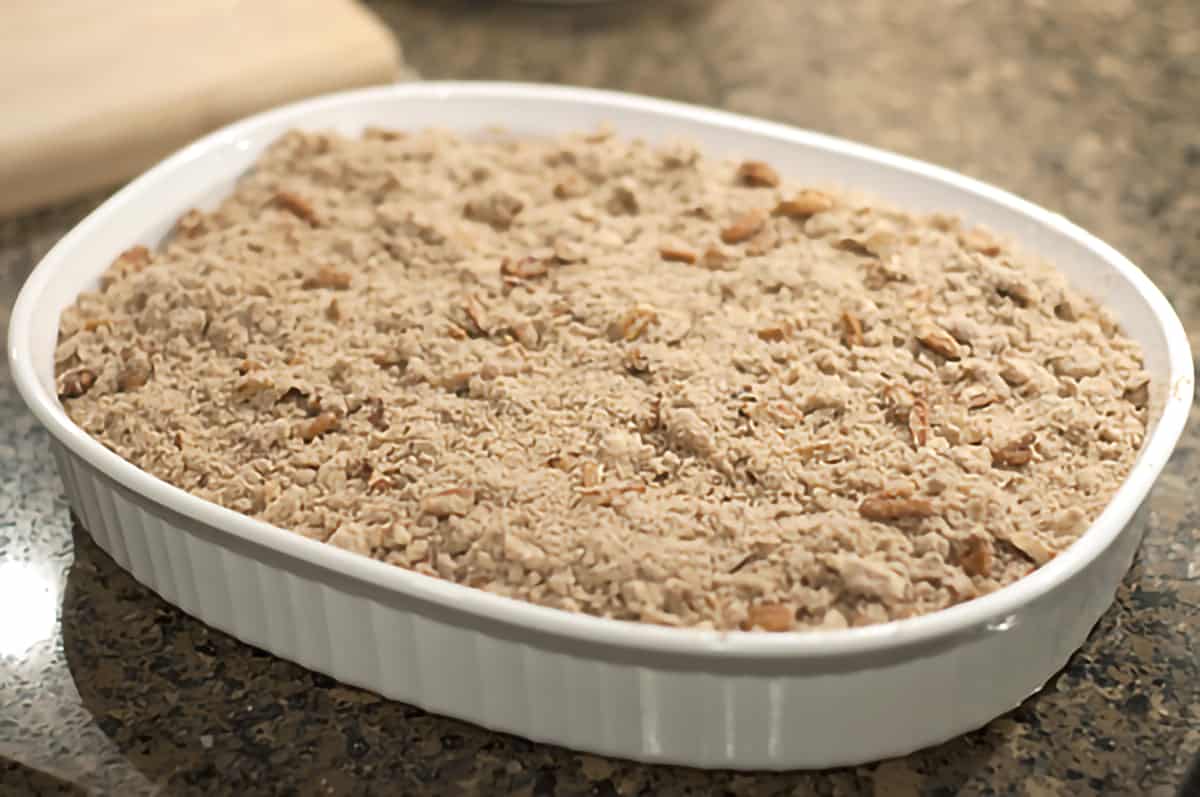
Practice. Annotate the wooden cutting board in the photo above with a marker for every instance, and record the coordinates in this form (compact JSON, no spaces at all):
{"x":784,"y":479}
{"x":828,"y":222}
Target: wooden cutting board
{"x":91,"y":93}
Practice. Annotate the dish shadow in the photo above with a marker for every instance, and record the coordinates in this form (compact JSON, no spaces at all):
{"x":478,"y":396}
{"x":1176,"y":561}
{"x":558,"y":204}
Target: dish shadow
{"x":190,"y":707}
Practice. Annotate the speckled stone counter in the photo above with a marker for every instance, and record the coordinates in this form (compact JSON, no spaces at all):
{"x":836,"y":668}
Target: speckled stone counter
{"x":1090,"y":108}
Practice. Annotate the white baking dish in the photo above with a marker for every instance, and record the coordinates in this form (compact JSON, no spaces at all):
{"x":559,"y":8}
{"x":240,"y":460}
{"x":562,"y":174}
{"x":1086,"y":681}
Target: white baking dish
{"x":638,"y":691}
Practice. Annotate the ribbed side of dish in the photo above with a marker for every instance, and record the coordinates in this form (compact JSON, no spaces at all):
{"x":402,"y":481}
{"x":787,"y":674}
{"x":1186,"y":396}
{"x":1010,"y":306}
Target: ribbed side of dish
{"x":538,"y":687}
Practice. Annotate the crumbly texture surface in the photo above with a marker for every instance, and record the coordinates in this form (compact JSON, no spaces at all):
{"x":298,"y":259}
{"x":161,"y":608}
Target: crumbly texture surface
{"x":613,"y":378}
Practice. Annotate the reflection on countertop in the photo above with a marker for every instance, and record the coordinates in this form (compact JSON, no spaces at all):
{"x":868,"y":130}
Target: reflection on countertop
{"x":1091,"y":109}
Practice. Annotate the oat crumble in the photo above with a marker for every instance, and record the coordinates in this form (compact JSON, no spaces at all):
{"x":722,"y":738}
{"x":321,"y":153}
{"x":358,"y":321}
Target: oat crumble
{"x":613,"y":378}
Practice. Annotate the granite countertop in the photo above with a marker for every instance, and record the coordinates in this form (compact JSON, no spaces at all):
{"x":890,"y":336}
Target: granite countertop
{"x":1090,"y":109}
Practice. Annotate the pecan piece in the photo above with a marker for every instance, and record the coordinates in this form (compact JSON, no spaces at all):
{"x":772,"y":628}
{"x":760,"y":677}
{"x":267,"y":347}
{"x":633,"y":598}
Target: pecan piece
{"x":770,"y":617}
{"x":939,"y":341}
{"x":590,"y":474}
{"x":852,"y":330}
{"x":757,"y":174}
{"x":605,"y":494}
{"x":476,"y":316}
{"x":129,"y":262}
{"x":774,"y":333}
{"x":675,"y":254}
{"x":633,"y":324}
{"x":327,"y":277}
{"x":976,"y":397}
{"x":318,"y":426}
{"x":455,"y":501}
{"x":804,"y":204}
{"x":298,"y":206}
{"x":74,"y":384}
{"x":976,"y":560}
{"x":744,"y":227}
{"x":918,"y":421}
{"x":889,"y":507}
{"x":526,"y":268}
{"x":1032,"y":547}
{"x":1016,"y":453}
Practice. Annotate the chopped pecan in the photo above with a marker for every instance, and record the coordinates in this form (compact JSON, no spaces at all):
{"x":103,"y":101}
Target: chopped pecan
{"x":456,"y":332}
{"x":635,"y":361}
{"x":770,"y":617}
{"x":852,"y":330}
{"x":455,"y":501}
{"x":918,"y":421}
{"x":590,"y":474}
{"x":325,"y":422}
{"x":131,"y":261}
{"x":939,"y":341}
{"x":327,"y":277}
{"x":74,"y":384}
{"x":1015,"y":453}
{"x":890,"y":507}
{"x":757,"y":174}
{"x":677,"y":254}
{"x":804,"y":204}
{"x":976,"y":560}
{"x":976,"y":397}
{"x":246,"y":366}
{"x":744,"y":227}
{"x":92,"y":324}
{"x":774,"y":333}
{"x":378,"y":483}
{"x":854,"y":246}
{"x":605,"y":494}
{"x":1019,"y":292}
{"x":525,"y":268}
{"x":332,"y":311}
{"x":633,"y":324}
{"x":1032,"y":547}
{"x":298,"y":206}
{"x":477,"y":318}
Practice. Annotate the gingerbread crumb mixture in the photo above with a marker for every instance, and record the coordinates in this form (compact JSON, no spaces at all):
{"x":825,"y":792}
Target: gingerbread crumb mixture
{"x":613,"y":378}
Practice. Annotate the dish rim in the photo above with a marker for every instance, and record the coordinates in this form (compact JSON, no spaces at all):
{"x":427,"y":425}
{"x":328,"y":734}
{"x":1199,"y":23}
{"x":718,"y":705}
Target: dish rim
{"x":978,"y":615}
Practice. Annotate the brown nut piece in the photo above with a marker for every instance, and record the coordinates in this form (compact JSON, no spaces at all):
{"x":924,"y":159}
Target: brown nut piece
{"x":298,"y":206}
{"x":757,"y":174}
{"x":455,"y":501}
{"x":887,"y":507}
{"x":744,"y":227}
{"x":939,"y":341}
{"x":804,"y":204}
{"x":774,"y":617}
{"x":675,"y":254}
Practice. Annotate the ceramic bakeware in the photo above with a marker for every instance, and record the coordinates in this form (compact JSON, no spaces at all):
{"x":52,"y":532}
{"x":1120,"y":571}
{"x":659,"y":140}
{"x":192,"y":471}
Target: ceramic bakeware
{"x":709,"y":699}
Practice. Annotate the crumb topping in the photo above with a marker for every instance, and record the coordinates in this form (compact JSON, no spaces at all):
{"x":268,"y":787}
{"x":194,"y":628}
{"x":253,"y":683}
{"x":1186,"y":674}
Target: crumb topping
{"x":613,"y":378}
